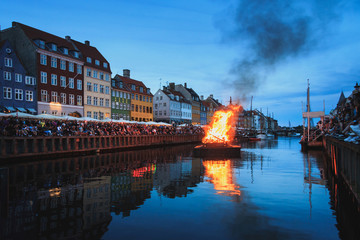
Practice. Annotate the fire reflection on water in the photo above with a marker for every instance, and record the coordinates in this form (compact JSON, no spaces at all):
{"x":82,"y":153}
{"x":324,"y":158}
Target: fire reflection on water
{"x":220,"y":174}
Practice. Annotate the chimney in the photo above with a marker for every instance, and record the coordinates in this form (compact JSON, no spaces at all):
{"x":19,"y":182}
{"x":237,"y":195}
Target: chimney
{"x":172,"y":86}
{"x":202,"y":97}
{"x":67,"y":38}
{"x":212,"y":95}
{"x":126,"y":73}
{"x":87,"y":42}
{"x":185,"y":85}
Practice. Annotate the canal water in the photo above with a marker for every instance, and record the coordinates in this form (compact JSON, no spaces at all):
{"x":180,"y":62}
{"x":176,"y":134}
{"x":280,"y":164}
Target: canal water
{"x":273,"y":191}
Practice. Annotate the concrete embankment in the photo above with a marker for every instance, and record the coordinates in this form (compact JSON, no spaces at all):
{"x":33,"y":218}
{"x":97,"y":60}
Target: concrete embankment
{"x":36,"y":147}
{"x":345,"y":163}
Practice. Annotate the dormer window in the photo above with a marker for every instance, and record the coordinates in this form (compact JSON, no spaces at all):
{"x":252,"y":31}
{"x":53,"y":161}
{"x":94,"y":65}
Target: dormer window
{"x":141,"y":89}
{"x":133,"y":87}
{"x":42,"y":44}
{"x":97,"y":62}
{"x":148,"y":91}
{"x":53,"y":47}
{"x":76,"y":54}
{"x":105,"y":65}
{"x":88,"y":59}
{"x":65,"y":51}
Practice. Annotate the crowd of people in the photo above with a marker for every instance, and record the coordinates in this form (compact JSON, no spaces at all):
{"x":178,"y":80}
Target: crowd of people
{"x":344,"y":120}
{"x":30,"y":127}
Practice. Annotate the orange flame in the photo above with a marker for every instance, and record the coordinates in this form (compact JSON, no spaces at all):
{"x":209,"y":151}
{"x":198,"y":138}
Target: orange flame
{"x":220,"y":129}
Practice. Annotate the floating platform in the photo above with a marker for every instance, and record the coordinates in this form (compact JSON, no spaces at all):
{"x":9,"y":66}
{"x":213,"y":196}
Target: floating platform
{"x":217,"y":150}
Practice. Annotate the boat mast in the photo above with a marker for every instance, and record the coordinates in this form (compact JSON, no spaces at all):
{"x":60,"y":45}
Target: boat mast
{"x":308,"y":109}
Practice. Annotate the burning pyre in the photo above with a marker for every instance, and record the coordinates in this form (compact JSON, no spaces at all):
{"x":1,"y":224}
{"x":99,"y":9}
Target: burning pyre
{"x":221,"y":128}
{"x":219,"y":135}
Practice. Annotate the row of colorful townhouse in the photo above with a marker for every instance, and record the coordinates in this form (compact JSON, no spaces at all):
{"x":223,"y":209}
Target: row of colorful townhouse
{"x":179,"y":104}
{"x":41,"y":73}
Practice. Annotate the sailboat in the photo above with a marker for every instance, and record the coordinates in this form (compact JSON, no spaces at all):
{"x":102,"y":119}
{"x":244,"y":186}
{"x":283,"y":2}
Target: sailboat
{"x":312,"y":138}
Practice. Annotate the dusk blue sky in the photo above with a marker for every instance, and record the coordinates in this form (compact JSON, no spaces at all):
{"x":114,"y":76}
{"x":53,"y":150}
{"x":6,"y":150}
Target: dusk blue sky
{"x":201,"y":42}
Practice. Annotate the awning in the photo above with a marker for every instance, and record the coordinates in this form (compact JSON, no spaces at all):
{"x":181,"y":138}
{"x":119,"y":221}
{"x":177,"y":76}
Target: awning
{"x":31,"y":110}
{"x":11,"y":109}
{"x":21,"y":109}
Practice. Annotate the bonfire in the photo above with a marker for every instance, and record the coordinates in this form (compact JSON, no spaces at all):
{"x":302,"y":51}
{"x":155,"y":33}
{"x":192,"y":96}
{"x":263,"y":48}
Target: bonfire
{"x":221,"y":129}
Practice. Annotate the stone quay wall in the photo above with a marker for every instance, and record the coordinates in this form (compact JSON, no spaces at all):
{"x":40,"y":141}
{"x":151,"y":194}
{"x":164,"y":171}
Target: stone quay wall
{"x":26,"y":147}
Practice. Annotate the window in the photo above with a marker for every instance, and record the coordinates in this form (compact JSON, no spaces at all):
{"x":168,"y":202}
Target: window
{"x":76,"y":54}
{"x":42,"y":59}
{"x":107,"y":78}
{"x":95,"y":87}
{"x":44,"y":96}
{"x":88,"y":86}
{"x":71,"y":83}
{"x":29,"y":96}
{"x":161,"y":97}
{"x":95,"y":101}
{"x":107,"y":102}
{"x":113,"y":93}
{"x":112,"y":104}
{"x":42,"y":44}
{"x":43,"y":77}
{"x":132,"y":107}
{"x":79,"y":100}
{"x":133,"y":87}
{"x":88,"y":100}
{"x":141,"y":89}
{"x":88,"y":59}
{"x":150,"y":99}
{"x":71,"y":99}
{"x":97,"y":62}
{"x":117,"y":105}
{"x":62,"y":81}
{"x":101,"y":75}
{"x":101,"y":88}
{"x":65,"y":51}
{"x":105,"y":65}
{"x":95,"y":74}
{"x":53,"y":47}
{"x":136,"y":108}
{"x":62,"y":64}
{"x":71,"y":67}
{"x":117,"y":94}
{"x":88,"y":114}
{"x":54,"y":79}
{"x":79,"y":69}
{"x":96,"y":115}
{"x":136,"y":97}
{"x":107,"y":90}
{"x":7,"y":75}
{"x":54,"y":97}
{"x":79,"y":84}
{"x":164,"y":104}
{"x":156,"y":105}
{"x":18,"y":77}
{"x":140,"y":97}
{"x":101,"y":102}
{"x":132,"y":96}
{"x":30,"y":80}
{"x":8,"y":62}
{"x":88,"y":72}
{"x":53,"y":62}
{"x":63,"y":98}
{"x":7,"y":93}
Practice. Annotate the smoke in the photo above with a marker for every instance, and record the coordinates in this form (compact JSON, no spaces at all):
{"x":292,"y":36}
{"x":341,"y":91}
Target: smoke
{"x":273,"y":32}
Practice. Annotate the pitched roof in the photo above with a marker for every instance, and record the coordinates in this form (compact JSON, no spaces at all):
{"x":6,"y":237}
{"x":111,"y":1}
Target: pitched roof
{"x":342,"y":99}
{"x":129,"y":81}
{"x":34,"y":34}
{"x":94,"y":54}
{"x":169,"y":91}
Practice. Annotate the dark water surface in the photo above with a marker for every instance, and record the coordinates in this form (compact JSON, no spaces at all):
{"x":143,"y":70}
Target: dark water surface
{"x":273,"y":191}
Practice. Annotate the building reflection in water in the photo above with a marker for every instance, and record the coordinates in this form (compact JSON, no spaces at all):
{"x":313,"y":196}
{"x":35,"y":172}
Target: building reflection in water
{"x":74,"y":197}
